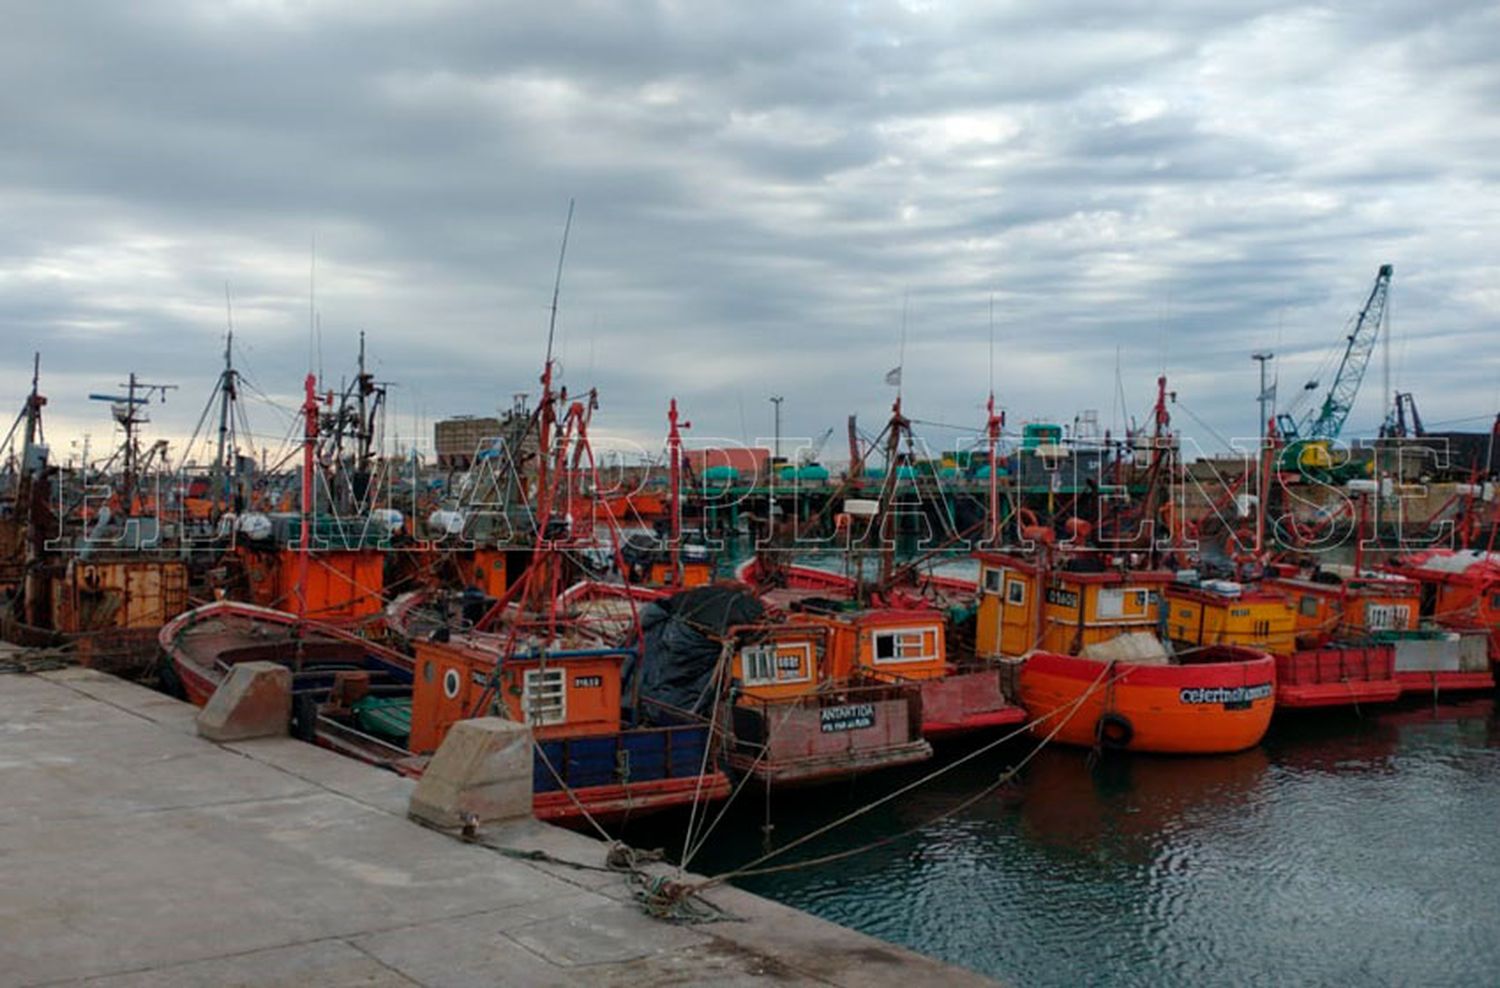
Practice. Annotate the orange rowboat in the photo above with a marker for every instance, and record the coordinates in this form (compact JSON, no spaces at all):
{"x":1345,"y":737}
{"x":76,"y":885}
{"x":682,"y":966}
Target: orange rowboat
{"x":1212,"y":701}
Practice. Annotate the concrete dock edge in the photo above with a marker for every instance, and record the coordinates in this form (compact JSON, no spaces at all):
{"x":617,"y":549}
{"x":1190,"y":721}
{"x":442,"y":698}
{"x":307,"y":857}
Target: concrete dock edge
{"x":133,"y":852}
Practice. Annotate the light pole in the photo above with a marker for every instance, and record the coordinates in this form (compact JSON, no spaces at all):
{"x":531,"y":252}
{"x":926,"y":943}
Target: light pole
{"x":1266,"y":397}
{"x":776,"y":452}
{"x":1263,"y":456}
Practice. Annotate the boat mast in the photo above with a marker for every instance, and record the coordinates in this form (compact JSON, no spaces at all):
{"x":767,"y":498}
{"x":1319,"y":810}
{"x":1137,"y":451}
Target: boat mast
{"x":27,"y":478}
{"x":226,"y":396}
{"x":993,"y":425}
{"x":674,"y":448}
{"x":899,"y":426}
{"x":309,"y":444}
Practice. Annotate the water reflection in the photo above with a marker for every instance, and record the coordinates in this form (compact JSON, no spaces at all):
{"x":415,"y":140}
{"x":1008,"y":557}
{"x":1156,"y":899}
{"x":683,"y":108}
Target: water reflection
{"x":1343,"y":849}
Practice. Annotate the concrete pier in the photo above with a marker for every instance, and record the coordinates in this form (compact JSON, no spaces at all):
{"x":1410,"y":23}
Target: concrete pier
{"x":133,"y":852}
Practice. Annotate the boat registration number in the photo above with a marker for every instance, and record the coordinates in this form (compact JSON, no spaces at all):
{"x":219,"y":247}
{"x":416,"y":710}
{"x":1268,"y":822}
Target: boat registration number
{"x":850,"y":717}
{"x":1062,"y":598}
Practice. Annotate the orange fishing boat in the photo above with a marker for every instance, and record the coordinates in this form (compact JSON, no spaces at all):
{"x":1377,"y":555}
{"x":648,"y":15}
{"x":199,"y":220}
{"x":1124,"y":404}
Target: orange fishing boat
{"x":1081,"y":635}
{"x":1209,"y":701}
{"x":901,"y":639}
{"x":1319,"y":661}
{"x":1460,"y":591}
{"x":1383,"y":610}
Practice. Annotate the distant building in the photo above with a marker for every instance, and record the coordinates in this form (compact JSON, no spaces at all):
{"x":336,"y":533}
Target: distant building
{"x":458,"y":439}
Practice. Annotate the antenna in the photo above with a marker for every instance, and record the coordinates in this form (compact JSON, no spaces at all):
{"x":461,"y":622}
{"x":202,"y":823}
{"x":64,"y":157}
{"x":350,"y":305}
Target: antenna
{"x":557,"y":283}
{"x":901,"y":362}
{"x":312,"y":302}
{"x":992,"y":344}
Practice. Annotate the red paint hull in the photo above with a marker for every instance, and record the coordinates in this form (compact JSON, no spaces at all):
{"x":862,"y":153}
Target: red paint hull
{"x":611,"y":804}
{"x":1337,"y":676}
{"x":993,"y":720}
{"x":1201,"y":708}
{"x":965,"y":703}
{"x":1345,"y":694}
{"x":1450,"y":681}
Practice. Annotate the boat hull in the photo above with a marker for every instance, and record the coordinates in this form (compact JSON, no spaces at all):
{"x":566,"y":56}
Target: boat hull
{"x":203,"y":644}
{"x":1336,"y":676}
{"x":1447,"y":681}
{"x":1201,"y":708}
{"x":965,"y":703}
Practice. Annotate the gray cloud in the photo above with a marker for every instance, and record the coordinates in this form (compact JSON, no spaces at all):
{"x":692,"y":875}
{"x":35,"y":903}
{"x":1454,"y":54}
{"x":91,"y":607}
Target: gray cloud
{"x":759,"y":187}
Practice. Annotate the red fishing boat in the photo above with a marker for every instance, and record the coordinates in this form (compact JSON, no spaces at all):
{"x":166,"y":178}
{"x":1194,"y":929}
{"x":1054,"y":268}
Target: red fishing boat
{"x":1460,"y":591}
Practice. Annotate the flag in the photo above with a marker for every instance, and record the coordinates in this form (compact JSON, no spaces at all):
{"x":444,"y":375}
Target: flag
{"x":893,"y":377}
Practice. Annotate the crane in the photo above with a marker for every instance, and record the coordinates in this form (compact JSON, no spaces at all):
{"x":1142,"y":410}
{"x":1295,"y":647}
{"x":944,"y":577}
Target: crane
{"x":810,"y":454}
{"x":1308,"y":440}
{"x":1395,"y":422}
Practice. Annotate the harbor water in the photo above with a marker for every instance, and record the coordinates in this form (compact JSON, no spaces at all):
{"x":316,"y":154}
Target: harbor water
{"x":1346,"y":849}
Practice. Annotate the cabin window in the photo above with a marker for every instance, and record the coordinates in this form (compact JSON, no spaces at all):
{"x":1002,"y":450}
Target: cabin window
{"x":766,"y":665}
{"x":1309,"y":605}
{"x":905,"y":645}
{"x":1387,"y":617}
{"x":758,"y":665}
{"x":992,"y":579}
{"x":1118,"y":603}
{"x":544,"y":696}
{"x":1015,"y":593}
{"x":1495,"y":602}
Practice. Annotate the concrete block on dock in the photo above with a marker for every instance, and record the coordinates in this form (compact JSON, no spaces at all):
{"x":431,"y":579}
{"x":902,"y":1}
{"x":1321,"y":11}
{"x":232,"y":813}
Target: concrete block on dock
{"x":482,"y":771}
{"x":254,"y":702}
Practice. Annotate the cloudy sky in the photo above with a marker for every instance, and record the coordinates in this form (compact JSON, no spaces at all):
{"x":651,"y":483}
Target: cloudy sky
{"x":761,"y":190}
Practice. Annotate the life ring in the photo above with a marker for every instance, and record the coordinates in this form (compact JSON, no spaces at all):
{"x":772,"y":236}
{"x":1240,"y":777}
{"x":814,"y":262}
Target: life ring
{"x":1114,"y":731}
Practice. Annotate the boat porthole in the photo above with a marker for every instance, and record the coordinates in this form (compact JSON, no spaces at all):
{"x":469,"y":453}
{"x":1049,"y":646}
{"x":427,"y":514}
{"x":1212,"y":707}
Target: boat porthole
{"x":450,"y":683}
{"x":426,"y":672}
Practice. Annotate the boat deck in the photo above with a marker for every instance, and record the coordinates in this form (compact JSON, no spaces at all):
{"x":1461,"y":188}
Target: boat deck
{"x":136,"y":853}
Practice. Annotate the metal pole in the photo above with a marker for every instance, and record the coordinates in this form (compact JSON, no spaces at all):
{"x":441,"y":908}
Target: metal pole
{"x":1264,"y":399}
{"x":776,"y":453}
{"x":1261,"y":457}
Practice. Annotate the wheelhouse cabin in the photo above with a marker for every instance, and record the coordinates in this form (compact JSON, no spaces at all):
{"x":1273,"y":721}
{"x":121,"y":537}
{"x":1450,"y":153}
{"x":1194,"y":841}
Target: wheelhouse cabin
{"x":345,"y":568}
{"x":1460,"y":590}
{"x":909,"y":646}
{"x":1220,"y":612}
{"x":1065,"y":608}
{"x":1330,"y":604}
{"x":805,"y":709}
{"x":112,"y":606}
{"x":571,"y":698}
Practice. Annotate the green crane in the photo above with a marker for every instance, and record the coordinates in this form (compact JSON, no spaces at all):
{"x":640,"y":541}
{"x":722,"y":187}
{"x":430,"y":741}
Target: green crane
{"x":1307,"y":441}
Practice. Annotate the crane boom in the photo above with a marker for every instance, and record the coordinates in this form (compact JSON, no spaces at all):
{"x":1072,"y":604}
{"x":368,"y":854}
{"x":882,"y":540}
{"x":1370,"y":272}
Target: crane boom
{"x":1327,"y":421}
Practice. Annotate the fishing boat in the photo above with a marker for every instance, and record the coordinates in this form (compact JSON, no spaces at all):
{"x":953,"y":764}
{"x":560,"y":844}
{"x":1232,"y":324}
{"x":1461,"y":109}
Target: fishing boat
{"x":1319,"y":661}
{"x":1459,"y":591}
{"x":893,"y":629}
{"x":204,"y":645}
{"x":1209,"y":701}
{"x":1382,"y":611}
{"x":1090,"y":668}
{"x":555,"y":659}
{"x":587,"y":761}
{"x":794,"y":707}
